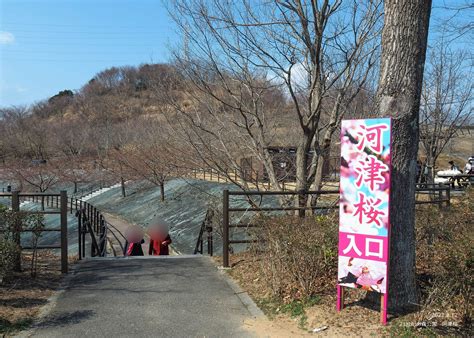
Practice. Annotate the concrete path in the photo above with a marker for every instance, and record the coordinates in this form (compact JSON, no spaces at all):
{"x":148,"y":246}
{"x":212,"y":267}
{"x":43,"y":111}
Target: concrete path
{"x":174,"y":296}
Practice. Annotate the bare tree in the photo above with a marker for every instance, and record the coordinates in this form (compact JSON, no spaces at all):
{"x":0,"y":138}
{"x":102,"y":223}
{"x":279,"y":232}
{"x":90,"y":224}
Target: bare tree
{"x":76,"y":170}
{"x":11,"y":123}
{"x":457,"y":19}
{"x":38,"y":176}
{"x":149,"y":155}
{"x":24,"y":134}
{"x":445,"y":101}
{"x":251,"y":63}
{"x":404,"y":42}
{"x":115,"y":159}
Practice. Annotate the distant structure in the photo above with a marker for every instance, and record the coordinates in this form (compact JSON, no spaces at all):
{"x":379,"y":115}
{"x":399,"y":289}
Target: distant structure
{"x":284,"y":164}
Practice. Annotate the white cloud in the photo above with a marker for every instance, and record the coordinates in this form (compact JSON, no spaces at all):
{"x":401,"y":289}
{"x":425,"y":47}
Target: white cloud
{"x":21,"y":89}
{"x":6,"y":38}
{"x":10,"y":89}
{"x":300,"y":75}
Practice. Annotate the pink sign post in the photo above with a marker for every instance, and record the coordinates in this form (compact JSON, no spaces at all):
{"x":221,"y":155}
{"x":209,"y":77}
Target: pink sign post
{"x":364,"y":228}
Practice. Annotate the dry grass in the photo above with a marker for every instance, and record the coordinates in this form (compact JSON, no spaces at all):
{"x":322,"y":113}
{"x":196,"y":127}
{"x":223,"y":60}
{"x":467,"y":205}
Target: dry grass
{"x":21,"y":297}
{"x":297,"y":255}
{"x":445,"y":264}
{"x":458,"y":150}
{"x":290,"y":318}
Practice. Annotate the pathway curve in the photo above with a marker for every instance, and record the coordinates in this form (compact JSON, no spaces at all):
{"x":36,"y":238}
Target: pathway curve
{"x":174,"y":296}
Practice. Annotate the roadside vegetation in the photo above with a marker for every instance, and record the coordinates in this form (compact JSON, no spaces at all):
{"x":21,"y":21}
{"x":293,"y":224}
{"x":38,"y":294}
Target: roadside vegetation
{"x":22,"y":297}
{"x":291,"y":273}
{"x":249,"y":82}
{"x":27,"y":278}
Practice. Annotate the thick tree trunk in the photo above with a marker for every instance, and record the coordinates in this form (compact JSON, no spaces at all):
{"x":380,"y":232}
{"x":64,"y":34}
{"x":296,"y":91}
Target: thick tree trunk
{"x":318,"y":179}
{"x":323,"y":158}
{"x":430,"y":163}
{"x":323,"y":150}
{"x":302,"y":160}
{"x":404,"y":40}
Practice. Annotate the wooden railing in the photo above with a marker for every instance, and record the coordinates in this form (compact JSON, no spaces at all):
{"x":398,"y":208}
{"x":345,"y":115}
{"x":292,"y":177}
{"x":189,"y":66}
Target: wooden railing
{"x":61,"y":204}
{"x":439,"y":194}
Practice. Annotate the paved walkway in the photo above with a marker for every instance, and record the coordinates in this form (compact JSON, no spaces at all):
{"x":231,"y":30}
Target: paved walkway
{"x":174,"y":296}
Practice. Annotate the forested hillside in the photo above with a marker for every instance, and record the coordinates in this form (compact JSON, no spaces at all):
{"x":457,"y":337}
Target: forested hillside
{"x":138,"y":123}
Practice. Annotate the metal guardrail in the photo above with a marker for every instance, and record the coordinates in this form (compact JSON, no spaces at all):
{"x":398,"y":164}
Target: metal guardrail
{"x":74,"y":200}
{"x":206,"y":226}
{"x":114,"y":231}
{"x":92,"y":222}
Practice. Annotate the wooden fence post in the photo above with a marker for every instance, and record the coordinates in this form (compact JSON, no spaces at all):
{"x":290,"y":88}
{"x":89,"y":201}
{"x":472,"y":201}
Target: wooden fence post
{"x":440,"y":197}
{"x":448,"y":196}
{"x":15,"y":201}
{"x":64,"y":248}
{"x":17,"y":229}
{"x":225,"y":232}
{"x":79,"y":231}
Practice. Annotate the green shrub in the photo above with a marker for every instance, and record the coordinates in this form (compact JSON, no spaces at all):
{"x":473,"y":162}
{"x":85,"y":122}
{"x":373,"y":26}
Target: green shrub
{"x":11,"y":225}
{"x":8,"y":254}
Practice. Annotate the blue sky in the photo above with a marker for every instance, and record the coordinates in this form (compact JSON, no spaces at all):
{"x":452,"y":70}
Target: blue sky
{"x":50,"y":45}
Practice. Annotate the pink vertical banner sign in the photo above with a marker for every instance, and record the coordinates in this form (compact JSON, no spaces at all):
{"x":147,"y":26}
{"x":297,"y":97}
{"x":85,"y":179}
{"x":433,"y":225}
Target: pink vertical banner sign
{"x":364,"y":228}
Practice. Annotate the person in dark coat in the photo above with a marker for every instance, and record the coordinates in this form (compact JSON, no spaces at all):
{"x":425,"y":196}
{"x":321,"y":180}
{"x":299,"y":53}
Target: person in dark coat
{"x":134,"y":249}
{"x":159,"y":238}
{"x":159,"y":246}
{"x":419,"y":166}
{"x":134,"y":241}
